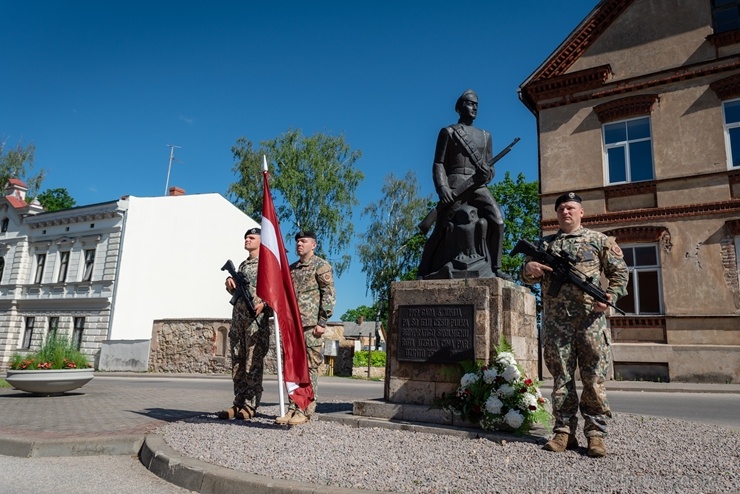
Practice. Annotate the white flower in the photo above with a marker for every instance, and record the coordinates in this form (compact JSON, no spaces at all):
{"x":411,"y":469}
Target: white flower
{"x":468,"y":379}
{"x":493,"y":405}
{"x":511,"y":373}
{"x":489,"y":375}
{"x":506,"y":358}
{"x":505,"y":390}
{"x":513,"y":419}
{"x":528,"y":400}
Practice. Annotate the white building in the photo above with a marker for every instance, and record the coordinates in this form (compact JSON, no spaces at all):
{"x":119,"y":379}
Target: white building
{"x":103,"y":273}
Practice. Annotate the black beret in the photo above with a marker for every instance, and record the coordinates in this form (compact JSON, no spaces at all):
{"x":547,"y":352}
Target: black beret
{"x":305,"y":234}
{"x":567,"y":197}
{"x":253,"y":231}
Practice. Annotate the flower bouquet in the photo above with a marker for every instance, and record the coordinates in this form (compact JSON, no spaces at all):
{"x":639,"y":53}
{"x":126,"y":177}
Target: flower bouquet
{"x":498,"y":396}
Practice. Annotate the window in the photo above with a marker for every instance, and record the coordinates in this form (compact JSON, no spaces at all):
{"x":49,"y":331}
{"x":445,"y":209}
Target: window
{"x":53,"y":326}
{"x":89,"y":263}
{"x":40,"y":261}
{"x":4,"y":227}
{"x":629,"y":153}
{"x":63,"y":265}
{"x":725,"y":15}
{"x":2,"y":268}
{"x":731,"y":110}
{"x":79,"y":328}
{"x":643,"y":288}
{"x":28,"y":333}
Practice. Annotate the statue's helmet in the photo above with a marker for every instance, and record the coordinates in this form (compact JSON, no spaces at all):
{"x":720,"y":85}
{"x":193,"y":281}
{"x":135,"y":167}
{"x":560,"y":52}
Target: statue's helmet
{"x":468,"y":95}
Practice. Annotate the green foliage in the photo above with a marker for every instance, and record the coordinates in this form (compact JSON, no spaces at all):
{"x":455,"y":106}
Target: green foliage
{"x":316,"y":183}
{"x":56,"y":199}
{"x":377,"y":359}
{"x":18,"y":163}
{"x":520,"y":204}
{"x":4,"y":384}
{"x":57,"y":352}
{"x":391,"y":246}
{"x":352,"y":315}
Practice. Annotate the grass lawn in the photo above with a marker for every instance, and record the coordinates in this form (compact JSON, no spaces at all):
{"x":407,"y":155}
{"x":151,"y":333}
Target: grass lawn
{"x":4,"y":384}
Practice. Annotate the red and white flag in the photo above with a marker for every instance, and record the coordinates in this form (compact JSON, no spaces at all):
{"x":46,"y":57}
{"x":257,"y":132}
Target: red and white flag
{"x":275,"y":287}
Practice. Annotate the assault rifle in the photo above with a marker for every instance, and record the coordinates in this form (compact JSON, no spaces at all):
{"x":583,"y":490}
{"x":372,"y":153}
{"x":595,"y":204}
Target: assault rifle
{"x":242,"y":288}
{"x":462,"y":192}
{"x":563,"y":270}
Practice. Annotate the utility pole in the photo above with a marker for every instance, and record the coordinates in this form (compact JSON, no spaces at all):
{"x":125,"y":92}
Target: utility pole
{"x":169,"y":167}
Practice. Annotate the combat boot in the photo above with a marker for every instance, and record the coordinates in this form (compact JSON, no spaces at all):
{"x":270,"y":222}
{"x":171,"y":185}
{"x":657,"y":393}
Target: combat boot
{"x":596,"y":447}
{"x":561,"y":442}
{"x":283,"y":420}
{"x":298,"y":418}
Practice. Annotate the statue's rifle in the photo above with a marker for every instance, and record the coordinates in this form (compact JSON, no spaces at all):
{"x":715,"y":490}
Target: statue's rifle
{"x":463,"y":192}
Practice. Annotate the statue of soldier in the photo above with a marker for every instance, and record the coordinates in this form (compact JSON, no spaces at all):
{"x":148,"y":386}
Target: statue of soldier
{"x":468,"y":239}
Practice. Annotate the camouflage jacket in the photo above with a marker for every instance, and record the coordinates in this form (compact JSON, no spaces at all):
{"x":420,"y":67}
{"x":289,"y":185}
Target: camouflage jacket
{"x":248,"y":268}
{"x":314,"y":288}
{"x":595,"y":254}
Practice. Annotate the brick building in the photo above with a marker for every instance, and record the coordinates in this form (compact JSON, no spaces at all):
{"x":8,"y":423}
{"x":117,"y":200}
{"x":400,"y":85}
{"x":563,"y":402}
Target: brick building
{"x":638,"y":110}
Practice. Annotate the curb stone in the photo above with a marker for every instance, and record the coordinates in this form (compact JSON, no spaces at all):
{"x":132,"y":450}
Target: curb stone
{"x":206,"y":478}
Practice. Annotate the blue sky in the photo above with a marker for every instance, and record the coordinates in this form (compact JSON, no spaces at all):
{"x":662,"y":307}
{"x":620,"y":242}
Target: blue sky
{"x":101,"y":88}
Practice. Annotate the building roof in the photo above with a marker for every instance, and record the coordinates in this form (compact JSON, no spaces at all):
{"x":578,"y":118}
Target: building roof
{"x":354,"y":330}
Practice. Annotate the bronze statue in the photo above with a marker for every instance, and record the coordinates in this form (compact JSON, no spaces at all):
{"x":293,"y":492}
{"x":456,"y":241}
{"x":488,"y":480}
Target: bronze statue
{"x":469,"y":231}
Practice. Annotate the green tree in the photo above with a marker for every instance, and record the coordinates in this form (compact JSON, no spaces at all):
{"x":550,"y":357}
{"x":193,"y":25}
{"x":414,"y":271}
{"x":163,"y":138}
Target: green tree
{"x":352,"y":315}
{"x":391,"y":245}
{"x":18,"y":163}
{"x":520,"y":204}
{"x":56,"y":199}
{"x":316,"y":182}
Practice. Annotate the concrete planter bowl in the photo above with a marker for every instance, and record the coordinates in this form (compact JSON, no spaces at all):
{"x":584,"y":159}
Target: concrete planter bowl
{"x":49,"y":382}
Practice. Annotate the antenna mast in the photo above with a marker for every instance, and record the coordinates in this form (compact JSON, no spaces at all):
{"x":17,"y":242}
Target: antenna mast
{"x":169,"y":167}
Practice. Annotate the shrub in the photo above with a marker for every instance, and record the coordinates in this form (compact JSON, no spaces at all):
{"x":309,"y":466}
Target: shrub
{"x":377,"y":359}
{"x":57,"y":352}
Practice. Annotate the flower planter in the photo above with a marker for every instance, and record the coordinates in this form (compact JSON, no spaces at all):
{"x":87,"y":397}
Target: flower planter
{"x":49,"y":382}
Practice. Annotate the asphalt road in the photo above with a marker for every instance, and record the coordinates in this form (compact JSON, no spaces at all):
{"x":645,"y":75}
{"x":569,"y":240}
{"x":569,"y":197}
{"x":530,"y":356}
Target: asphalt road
{"x":125,"y":474}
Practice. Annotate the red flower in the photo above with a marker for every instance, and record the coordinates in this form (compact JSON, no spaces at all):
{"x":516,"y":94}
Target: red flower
{"x":540,"y":400}
{"x":532,"y":407}
{"x":476,"y":409}
{"x":528,"y":382}
{"x":523,"y":390}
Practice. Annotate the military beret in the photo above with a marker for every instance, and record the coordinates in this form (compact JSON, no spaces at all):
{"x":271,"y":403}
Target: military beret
{"x":253,"y":231}
{"x":468,"y":95}
{"x":567,"y":197}
{"x":305,"y":234}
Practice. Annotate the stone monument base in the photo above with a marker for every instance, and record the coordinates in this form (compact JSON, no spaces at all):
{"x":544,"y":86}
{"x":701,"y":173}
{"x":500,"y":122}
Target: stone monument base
{"x":436,"y":324}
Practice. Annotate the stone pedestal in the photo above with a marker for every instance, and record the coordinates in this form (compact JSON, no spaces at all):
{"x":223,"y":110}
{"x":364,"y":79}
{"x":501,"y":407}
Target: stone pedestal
{"x":499,"y":308}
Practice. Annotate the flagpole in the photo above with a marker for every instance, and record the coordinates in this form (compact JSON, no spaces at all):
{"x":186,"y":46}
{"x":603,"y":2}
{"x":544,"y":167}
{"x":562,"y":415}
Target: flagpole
{"x":278,"y":345}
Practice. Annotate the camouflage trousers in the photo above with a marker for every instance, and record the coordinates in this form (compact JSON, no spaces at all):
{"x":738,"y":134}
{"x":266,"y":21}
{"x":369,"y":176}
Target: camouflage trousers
{"x":582,"y":339}
{"x":249,"y":341}
{"x":313,"y":353}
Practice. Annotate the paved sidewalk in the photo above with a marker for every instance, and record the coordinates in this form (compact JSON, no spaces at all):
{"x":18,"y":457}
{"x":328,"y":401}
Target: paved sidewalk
{"x":110,"y":416}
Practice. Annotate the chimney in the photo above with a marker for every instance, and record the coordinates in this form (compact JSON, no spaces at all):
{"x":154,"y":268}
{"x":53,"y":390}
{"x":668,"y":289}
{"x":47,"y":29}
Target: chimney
{"x":177,"y":191}
{"x":360,"y":320}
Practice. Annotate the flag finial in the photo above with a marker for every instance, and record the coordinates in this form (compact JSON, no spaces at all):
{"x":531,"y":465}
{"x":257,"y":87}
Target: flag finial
{"x":264,"y":162}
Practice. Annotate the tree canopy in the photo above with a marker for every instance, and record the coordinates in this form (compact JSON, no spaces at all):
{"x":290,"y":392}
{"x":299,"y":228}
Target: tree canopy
{"x":352,"y":315}
{"x":18,"y":163}
{"x":316,"y":183}
{"x":520,"y":204}
{"x":391,"y":246}
{"x":56,"y":199}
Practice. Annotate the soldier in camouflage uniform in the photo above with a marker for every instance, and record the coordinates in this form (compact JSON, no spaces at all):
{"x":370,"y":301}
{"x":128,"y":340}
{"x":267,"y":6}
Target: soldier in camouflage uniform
{"x":314,"y":289}
{"x":574,"y":327}
{"x":249,"y":338}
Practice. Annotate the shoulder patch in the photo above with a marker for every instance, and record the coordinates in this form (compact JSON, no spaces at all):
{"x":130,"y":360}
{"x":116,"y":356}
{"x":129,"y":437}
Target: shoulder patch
{"x":613,"y":247}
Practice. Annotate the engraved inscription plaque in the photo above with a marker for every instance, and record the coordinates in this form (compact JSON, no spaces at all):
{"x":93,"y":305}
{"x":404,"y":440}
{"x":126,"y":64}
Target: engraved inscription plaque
{"x":436,"y":333}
